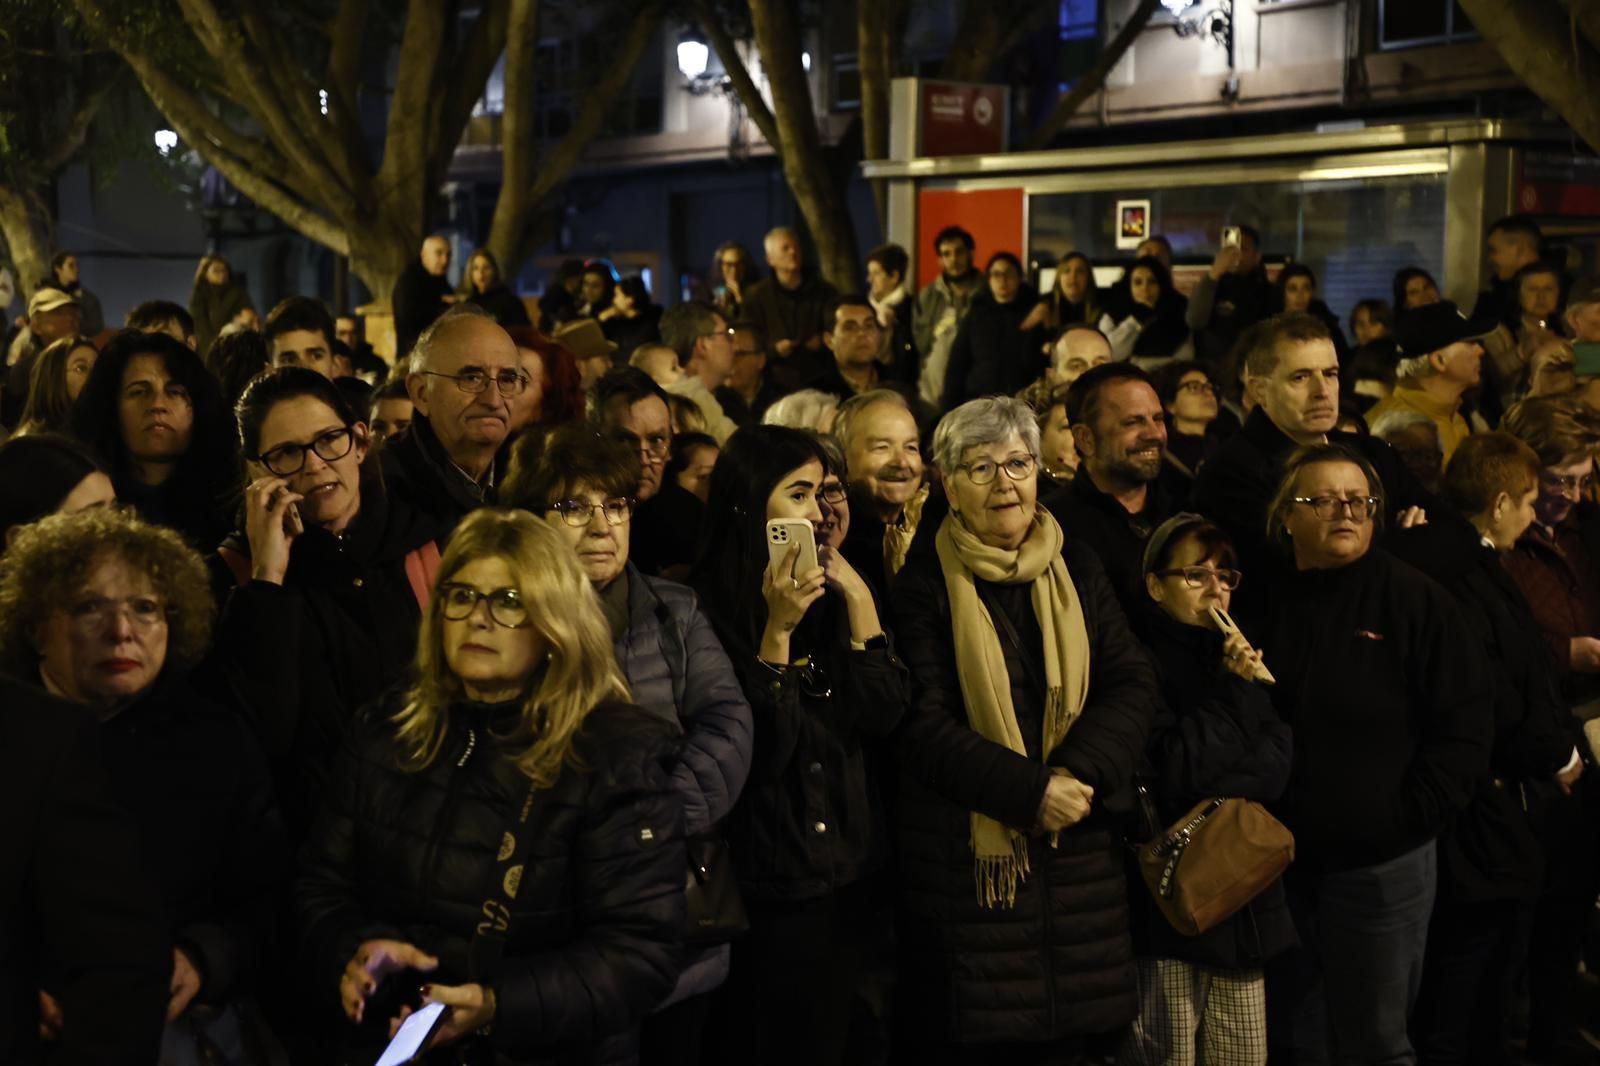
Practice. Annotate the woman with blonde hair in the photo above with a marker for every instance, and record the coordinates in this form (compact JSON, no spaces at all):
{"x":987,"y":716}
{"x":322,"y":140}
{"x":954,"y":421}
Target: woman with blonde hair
{"x":54,"y":383}
{"x":503,"y":828}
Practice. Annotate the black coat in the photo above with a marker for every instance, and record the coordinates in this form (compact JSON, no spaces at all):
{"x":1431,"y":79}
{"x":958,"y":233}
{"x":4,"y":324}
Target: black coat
{"x":1390,"y":705}
{"x":196,"y":782}
{"x":419,"y":298}
{"x":1060,"y":962}
{"x":597,"y":924}
{"x":992,"y":353}
{"x":629,"y":333}
{"x":419,"y":474}
{"x":1215,"y":735}
{"x":811,"y":818}
{"x":300,"y":658}
{"x":1099,"y":520}
{"x":1236,"y":487}
{"x":79,"y":913}
{"x":503,"y":304}
{"x":1490,"y":850}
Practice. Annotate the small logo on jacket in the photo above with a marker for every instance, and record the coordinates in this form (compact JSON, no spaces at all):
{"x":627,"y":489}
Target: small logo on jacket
{"x":1367,"y":634}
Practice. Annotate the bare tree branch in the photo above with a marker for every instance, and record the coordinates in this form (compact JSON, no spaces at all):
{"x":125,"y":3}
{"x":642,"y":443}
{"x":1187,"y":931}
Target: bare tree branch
{"x":738,"y":74}
{"x":470,"y":70}
{"x":1095,"y":78}
{"x":518,"y":133}
{"x":1536,"y":40}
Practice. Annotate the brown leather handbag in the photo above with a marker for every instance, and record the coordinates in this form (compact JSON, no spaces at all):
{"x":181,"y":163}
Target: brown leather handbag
{"x":1214,"y":860}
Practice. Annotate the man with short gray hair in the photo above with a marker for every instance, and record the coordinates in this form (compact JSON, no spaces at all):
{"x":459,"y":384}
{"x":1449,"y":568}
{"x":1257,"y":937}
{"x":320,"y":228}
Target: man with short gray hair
{"x":422,"y":294}
{"x":883,"y":464}
{"x":791,"y":310}
{"x":464,"y":373}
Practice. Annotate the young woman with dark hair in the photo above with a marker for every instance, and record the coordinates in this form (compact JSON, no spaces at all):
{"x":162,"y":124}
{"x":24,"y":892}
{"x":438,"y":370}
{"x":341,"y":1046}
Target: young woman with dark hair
{"x":55,"y":383}
{"x":324,"y":583}
{"x":808,"y":835}
{"x":156,"y":418}
{"x":631,"y":320}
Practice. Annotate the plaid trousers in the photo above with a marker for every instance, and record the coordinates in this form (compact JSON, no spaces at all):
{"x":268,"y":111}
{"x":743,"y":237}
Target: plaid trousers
{"x":1191,"y":1015}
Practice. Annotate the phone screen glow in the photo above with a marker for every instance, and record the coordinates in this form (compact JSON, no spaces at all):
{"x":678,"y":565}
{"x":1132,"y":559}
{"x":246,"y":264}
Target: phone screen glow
{"x":407,"y":1043}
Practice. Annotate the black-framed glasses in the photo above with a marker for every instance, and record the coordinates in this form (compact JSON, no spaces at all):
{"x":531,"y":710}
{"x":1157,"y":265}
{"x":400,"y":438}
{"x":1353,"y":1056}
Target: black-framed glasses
{"x":656,"y":445}
{"x":476,"y":382}
{"x":1196,"y":577}
{"x":1017,"y":468}
{"x":833,"y":492}
{"x":1327,"y":508}
{"x":506,"y":608}
{"x":288,"y":459}
{"x":576,"y":511}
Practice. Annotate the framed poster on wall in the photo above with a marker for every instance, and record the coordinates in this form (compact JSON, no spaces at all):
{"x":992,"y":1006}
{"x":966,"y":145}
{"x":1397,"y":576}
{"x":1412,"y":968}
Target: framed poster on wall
{"x":1133,"y":223}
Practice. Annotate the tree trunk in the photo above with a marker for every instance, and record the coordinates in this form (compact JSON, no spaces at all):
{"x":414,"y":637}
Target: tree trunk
{"x":1536,"y":39}
{"x":518,"y":136}
{"x":25,"y":222}
{"x":378,"y":257}
{"x":1095,"y":78}
{"x":875,"y":21}
{"x":988,"y":30}
{"x":821,"y":200}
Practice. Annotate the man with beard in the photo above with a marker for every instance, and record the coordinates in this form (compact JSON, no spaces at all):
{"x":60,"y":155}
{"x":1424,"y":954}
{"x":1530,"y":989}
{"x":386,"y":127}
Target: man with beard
{"x":883,"y":455}
{"x":942,"y":305}
{"x":1118,"y":496}
{"x":1292,"y":373}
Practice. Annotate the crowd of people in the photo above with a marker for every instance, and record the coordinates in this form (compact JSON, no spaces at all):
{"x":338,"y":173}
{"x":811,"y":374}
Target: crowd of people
{"x":796,"y":676}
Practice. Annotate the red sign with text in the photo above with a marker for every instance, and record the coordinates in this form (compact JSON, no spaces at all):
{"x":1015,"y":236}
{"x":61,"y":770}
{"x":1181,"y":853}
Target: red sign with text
{"x":961,"y":119}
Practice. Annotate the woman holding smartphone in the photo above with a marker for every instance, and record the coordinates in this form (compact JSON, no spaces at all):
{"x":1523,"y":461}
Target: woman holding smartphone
{"x":501,"y":836}
{"x":823,"y":682}
{"x":324,"y":584}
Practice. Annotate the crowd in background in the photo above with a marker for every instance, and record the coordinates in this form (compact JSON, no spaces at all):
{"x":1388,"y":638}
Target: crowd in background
{"x":794,"y":676}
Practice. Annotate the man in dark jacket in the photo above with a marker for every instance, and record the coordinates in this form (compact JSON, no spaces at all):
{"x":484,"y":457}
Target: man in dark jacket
{"x":891,"y":300}
{"x":854,"y":340}
{"x":464,"y":372}
{"x":1293,"y":372}
{"x":1234,"y":295}
{"x":791,"y":311}
{"x":1119,"y":494}
{"x":422,"y":294}
{"x":1513,"y":243}
{"x":79,"y":918}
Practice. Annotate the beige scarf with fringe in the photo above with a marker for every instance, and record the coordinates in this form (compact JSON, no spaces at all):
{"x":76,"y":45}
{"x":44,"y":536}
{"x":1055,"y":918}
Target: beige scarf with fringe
{"x":1000,"y":853}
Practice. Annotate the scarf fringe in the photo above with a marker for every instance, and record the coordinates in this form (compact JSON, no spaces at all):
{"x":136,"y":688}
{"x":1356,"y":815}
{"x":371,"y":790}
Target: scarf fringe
{"x":997,"y":875}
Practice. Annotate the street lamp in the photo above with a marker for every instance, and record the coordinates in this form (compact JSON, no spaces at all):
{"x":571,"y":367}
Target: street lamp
{"x":1203,"y":18}
{"x":166,"y":141}
{"x":693,"y":57}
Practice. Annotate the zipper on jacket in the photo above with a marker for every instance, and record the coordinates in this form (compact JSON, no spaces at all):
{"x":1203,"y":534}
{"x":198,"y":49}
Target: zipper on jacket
{"x":452,"y":797}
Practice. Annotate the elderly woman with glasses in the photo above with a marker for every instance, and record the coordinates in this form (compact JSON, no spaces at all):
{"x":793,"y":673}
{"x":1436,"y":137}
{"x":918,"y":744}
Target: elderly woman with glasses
{"x":817,"y":666}
{"x":1030,"y":704}
{"x":106,"y":610}
{"x":581,"y":482}
{"x":1217,"y":734}
{"x":1382,"y":684}
{"x":325,"y":583}
{"x":501,"y":832}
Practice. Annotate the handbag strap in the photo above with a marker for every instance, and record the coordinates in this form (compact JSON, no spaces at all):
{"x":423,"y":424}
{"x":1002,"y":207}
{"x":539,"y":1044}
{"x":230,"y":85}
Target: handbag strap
{"x":489,"y":938}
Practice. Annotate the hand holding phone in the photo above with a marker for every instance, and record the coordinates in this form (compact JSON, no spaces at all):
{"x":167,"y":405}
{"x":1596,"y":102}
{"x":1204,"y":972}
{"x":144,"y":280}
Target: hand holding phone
{"x":786,"y":533}
{"x":411,"y":1039}
{"x":1226,"y":626}
{"x":1232,"y":237}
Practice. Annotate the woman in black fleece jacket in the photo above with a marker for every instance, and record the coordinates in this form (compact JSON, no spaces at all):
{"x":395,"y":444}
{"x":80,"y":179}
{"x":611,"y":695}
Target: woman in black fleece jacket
{"x":1391,"y":712}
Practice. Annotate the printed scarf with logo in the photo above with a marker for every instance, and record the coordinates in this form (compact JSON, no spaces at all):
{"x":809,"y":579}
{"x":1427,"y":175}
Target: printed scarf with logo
{"x":1000,"y":853}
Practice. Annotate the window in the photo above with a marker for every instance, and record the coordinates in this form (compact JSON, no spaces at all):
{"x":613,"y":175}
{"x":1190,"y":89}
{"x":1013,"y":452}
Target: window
{"x":1414,"y":23}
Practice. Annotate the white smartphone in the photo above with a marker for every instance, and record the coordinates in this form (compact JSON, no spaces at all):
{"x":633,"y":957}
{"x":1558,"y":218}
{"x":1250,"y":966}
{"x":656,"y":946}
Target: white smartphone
{"x":1232,"y":236}
{"x":412,"y":1038}
{"x":785,"y":533}
{"x":1226,"y":625}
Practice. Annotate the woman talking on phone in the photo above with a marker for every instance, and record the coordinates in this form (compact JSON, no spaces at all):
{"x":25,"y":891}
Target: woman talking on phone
{"x":326,"y":579}
{"x":501,"y":837}
{"x":823,"y":682}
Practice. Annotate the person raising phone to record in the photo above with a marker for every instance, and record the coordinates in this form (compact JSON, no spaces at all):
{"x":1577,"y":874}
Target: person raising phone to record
{"x":808,"y":835}
{"x":322,"y":602}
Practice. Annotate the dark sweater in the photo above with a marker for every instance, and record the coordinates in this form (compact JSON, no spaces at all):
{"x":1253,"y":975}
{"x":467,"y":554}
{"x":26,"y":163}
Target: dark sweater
{"x":1117,"y":536}
{"x":419,"y":298}
{"x":1386,"y":692}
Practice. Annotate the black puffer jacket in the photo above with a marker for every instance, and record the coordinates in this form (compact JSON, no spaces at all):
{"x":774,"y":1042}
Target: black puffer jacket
{"x":1216,"y":735}
{"x":992,"y":353}
{"x":1060,"y":962}
{"x":597,"y":924}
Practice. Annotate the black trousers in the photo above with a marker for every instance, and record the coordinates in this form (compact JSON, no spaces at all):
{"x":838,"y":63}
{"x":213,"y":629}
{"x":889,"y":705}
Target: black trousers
{"x":791,"y":988}
{"x":1460,"y":1013}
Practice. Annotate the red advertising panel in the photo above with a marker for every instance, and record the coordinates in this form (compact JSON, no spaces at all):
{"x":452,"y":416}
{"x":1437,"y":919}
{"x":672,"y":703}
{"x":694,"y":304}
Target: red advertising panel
{"x":1552,"y":184}
{"x":961,"y":119}
{"x":992,"y":216}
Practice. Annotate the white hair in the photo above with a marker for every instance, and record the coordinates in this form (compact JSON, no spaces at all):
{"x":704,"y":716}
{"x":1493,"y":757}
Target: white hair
{"x":1414,"y":367}
{"x":855,"y":405}
{"x":1391,"y":424}
{"x":800,"y":410}
{"x":989,"y":420}
{"x":424,"y":346}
